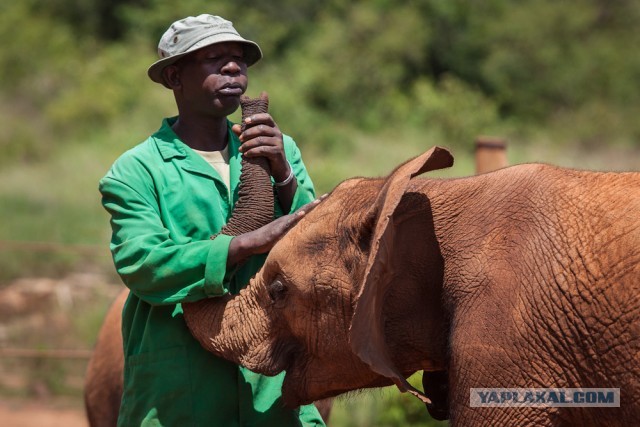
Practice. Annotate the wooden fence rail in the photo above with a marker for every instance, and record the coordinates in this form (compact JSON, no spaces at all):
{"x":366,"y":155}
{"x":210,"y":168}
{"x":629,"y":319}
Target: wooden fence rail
{"x":31,"y":353}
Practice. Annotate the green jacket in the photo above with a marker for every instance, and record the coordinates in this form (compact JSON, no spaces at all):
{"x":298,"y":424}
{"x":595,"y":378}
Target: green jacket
{"x":165,"y":202}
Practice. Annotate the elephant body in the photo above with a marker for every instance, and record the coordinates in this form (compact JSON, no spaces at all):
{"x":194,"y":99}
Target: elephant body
{"x":541,"y":278}
{"x":528,"y":277}
{"x":104,"y":378}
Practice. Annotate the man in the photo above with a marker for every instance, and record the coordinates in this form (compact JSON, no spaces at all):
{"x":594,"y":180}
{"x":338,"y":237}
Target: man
{"x":165,"y":202}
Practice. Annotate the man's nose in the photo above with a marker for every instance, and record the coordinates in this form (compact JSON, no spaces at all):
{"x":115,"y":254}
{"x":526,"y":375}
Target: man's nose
{"x":231,"y":67}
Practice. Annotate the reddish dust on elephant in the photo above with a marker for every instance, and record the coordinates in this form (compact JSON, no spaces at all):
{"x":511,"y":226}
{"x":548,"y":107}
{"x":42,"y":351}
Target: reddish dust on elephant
{"x":526,"y":277}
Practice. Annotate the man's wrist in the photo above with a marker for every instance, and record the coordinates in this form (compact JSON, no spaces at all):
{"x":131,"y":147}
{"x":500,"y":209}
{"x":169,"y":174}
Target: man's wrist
{"x":238,"y":251}
{"x":288,"y":179}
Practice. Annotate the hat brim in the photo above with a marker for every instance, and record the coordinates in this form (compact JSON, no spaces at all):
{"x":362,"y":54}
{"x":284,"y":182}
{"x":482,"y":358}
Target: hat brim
{"x":251,"y":53}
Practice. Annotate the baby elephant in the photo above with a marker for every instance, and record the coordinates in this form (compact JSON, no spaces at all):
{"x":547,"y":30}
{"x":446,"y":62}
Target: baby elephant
{"x":527,"y":277}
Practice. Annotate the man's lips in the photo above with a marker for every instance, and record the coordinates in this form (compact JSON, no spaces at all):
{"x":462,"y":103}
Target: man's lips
{"x":232,"y":89}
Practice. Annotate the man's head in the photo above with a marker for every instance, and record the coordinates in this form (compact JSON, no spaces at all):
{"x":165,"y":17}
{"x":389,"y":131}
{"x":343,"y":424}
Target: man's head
{"x":193,"y":33}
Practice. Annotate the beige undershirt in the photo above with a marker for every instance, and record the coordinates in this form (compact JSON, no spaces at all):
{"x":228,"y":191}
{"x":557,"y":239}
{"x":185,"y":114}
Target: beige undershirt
{"x":219,"y":160}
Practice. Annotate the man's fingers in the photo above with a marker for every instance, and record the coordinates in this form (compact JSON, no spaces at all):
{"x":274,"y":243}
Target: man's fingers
{"x":300,"y":213}
{"x":260,"y":132}
{"x":292,"y":219}
{"x":271,"y":233}
{"x":261,"y":151}
{"x":237,"y":129}
{"x":260,"y":118}
{"x":311,"y":205}
{"x":261,"y":140}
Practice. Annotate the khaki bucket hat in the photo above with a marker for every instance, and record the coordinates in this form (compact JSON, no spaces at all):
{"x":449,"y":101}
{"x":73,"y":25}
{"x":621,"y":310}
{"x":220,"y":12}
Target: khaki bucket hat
{"x":195,"y":32}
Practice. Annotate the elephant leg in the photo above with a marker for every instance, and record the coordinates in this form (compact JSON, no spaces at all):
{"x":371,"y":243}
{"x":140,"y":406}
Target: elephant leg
{"x":436,"y":388}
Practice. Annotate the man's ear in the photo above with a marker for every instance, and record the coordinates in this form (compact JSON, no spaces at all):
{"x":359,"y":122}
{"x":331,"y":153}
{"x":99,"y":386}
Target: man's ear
{"x":366,"y":334}
{"x":171,"y":77}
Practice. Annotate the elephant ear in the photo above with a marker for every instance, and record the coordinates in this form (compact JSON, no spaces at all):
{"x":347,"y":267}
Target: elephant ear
{"x":367,"y":326}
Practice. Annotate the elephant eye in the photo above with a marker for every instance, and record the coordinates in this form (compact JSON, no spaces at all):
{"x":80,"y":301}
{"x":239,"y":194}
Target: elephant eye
{"x":277,"y":290}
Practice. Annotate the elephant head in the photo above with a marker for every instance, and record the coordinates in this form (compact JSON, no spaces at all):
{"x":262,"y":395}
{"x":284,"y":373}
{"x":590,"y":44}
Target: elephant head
{"x":338,"y":267}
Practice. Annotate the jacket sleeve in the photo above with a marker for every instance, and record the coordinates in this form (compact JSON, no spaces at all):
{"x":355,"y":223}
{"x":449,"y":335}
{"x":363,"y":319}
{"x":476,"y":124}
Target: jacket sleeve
{"x":152,"y":265}
{"x":305,"y":192}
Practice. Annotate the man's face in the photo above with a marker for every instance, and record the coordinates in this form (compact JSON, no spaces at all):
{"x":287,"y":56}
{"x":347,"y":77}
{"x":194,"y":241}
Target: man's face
{"x":213,"y":78}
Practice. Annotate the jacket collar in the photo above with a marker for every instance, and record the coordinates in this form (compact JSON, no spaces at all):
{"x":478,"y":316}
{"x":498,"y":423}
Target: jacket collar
{"x":171,"y":147}
{"x":168,"y":143}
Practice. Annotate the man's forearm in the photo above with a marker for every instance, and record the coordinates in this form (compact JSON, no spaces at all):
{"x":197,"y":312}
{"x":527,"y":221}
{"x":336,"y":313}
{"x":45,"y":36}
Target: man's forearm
{"x":286,"y":193}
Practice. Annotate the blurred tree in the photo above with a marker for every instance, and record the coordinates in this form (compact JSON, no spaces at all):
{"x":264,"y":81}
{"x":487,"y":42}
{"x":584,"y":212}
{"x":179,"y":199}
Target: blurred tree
{"x":98,"y":18}
{"x":357,"y":61}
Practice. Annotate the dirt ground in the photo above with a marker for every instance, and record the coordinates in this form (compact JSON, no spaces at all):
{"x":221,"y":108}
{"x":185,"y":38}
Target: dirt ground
{"x":41,"y":320}
{"x":40,"y":414}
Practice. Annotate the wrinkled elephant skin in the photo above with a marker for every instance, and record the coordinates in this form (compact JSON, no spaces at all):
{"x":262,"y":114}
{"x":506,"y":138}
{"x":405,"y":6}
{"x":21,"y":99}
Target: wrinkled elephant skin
{"x":104,"y":379}
{"x":524,"y":277}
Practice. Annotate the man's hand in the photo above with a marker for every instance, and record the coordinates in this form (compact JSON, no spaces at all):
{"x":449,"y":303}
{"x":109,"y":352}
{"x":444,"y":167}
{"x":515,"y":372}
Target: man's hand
{"x":264,"y":238}
{"x":262,"y":137}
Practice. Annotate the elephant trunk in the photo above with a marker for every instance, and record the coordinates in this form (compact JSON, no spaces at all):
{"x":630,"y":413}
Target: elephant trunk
{"x":222,"y":327}
{"x":253,"y":210}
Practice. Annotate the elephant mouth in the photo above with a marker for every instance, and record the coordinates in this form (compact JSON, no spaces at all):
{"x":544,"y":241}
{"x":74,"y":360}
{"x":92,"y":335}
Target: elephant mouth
{"x":294,"y":387}
{"x":302,"y":386}
{"x":293,"y":391}
{"x":300,"y":374}
{"x":304,"y":382}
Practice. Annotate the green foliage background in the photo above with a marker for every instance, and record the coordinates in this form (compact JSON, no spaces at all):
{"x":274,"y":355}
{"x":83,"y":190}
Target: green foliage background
{"x":361,"y":86}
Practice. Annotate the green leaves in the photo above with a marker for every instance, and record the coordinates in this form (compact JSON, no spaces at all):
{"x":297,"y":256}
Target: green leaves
{"x":454,"y":68}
